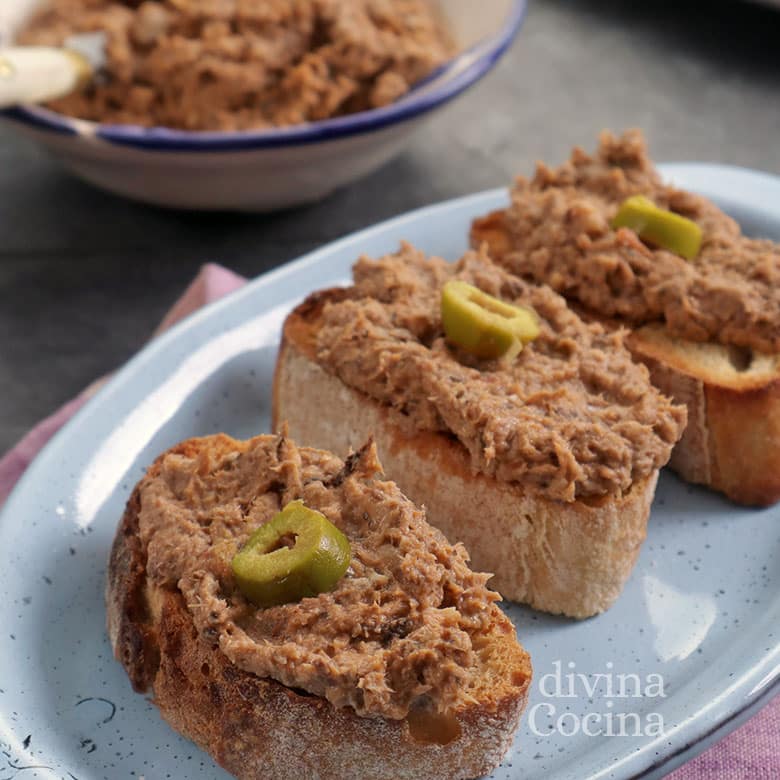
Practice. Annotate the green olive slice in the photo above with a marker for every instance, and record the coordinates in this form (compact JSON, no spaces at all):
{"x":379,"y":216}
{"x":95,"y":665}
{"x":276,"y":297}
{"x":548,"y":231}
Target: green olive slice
{"x":483,"y":325}
{"x":665,"y":229}
{"x":269,"y":572}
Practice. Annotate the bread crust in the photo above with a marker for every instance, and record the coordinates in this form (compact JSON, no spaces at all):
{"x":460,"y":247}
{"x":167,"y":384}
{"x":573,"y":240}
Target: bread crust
{"x":258,"y":728}
{"x":564,"y":558}
{"x":732,"y":440}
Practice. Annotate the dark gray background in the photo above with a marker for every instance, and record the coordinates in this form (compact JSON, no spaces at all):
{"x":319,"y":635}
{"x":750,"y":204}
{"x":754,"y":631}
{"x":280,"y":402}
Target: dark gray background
{"x":85,"y":276}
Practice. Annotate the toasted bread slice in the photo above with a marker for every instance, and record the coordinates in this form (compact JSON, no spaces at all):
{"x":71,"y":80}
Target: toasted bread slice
{"x":732,"y":440}
{"x":256,"y":727}
{"x":570,"y":558}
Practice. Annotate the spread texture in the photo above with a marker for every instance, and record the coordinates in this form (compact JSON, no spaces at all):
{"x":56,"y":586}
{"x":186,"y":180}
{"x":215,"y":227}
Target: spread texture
{"x":572,"y":416}
{"x":559,"y":234}
{"x":401,"y":630}
{"x":239,"y":64}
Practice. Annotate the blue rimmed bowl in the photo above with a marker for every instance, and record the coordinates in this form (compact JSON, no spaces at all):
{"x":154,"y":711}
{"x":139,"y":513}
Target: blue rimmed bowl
{"x":268,"y":169}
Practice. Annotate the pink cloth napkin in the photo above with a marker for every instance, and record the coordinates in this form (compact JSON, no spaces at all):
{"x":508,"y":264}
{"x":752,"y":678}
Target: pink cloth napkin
{"x":750,"y":753}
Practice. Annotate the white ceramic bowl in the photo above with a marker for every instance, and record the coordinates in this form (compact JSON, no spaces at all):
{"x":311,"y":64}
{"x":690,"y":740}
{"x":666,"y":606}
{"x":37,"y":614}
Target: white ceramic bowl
{"x":268,"y":169}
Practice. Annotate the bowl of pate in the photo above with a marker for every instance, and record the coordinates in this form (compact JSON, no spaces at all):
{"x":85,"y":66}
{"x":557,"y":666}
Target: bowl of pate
{"x":247,"y":105}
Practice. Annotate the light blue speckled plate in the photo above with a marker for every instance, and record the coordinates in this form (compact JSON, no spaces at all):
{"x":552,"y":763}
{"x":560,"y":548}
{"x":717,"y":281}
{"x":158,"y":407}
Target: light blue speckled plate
{"x":694,"y":641}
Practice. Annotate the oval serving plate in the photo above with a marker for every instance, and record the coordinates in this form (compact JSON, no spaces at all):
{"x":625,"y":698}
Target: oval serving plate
{"x":689,"y":651}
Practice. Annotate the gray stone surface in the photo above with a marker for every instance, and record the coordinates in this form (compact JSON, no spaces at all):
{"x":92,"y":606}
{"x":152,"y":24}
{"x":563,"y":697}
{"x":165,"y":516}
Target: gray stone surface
{"x":84,"y":276}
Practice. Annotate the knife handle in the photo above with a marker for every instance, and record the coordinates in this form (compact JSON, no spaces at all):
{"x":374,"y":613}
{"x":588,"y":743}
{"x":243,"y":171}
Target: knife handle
{"x":35,"y":74}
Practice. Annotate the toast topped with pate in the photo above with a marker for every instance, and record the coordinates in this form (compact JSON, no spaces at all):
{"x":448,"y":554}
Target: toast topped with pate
{"x":545,"y":467}
{"x":403,"y":667}
{"x":707,"y":324}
